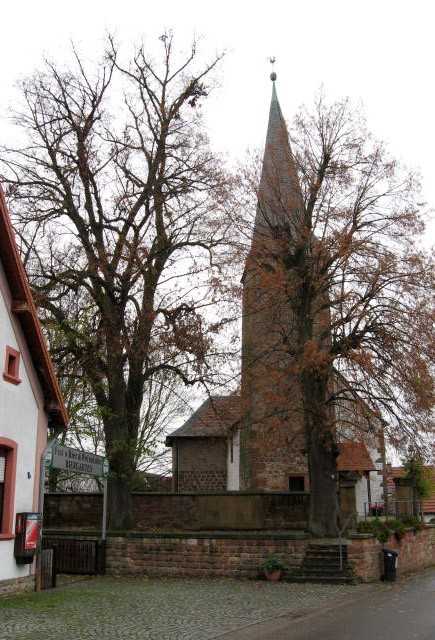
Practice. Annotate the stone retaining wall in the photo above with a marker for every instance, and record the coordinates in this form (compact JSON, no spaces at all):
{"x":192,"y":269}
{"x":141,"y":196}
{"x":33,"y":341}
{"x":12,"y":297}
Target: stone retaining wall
{"x":238,"y":557}
{"x":184,"y":511}
{"x":240,"y":554}
{"x":416,"y":552}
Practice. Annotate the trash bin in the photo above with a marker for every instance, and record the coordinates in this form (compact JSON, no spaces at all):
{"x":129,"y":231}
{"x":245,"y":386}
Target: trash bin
{"x":390,"y":564}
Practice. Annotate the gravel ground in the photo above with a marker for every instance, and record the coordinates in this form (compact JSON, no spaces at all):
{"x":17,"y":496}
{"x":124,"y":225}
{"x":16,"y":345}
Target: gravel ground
{"x":159,"y":609}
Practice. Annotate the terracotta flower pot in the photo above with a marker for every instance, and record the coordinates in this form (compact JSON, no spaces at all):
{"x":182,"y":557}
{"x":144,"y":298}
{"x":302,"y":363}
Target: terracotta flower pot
{"x":273,"y":576}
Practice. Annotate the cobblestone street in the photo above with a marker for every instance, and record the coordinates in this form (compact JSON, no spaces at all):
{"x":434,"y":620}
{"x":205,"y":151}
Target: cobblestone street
{"x":165,"y":609}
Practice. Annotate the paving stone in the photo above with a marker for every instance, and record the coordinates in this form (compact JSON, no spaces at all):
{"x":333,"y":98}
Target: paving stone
{"x":157,"y":609}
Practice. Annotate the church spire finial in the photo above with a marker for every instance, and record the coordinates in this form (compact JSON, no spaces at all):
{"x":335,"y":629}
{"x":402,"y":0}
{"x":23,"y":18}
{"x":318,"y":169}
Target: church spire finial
{"x":280,"y":195}
{"x":272,"y":61}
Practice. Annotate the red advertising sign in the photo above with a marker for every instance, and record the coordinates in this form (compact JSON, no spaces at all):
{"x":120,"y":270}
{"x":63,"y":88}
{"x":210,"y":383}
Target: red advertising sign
{"x":32,"y":532}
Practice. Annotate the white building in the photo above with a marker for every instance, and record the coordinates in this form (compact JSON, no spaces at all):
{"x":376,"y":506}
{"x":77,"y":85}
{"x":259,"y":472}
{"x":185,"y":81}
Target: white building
{"x":30,"y":398}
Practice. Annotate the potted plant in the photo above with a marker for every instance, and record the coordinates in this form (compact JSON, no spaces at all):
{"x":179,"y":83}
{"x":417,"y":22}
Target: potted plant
{"x":273,"y":568}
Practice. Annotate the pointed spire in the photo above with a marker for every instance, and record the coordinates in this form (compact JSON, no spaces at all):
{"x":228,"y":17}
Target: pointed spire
{"x":279,"y":197}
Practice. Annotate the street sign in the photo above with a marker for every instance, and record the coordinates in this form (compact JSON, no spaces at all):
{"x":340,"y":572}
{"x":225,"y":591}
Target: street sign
{"x":68,"y":459}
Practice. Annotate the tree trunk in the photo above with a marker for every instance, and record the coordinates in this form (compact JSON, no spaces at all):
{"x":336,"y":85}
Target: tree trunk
{"x":323,"y":486}
{"x":119,"y":503}
{"x":323,"y":491}
{"x":121,"y":450}
{"x":322,"y":456}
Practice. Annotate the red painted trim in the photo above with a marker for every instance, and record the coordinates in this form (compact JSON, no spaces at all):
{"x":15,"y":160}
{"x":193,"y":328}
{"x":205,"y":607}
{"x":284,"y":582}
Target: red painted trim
{"x":27,"y":316}
{"x":11,"y":374}
{"x":7,"y":524}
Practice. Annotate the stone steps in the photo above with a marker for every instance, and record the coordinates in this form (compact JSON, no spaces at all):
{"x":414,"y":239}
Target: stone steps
{"x":323,"y":557}
{"x":322,"y":570}
{"x":323,"y":579}
{"x":321,"y":564}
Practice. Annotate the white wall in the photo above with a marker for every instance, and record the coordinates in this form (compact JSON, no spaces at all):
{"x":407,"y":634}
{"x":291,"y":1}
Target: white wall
{"x":377,"y":493}
{"x":18,"y":421}
{"x":233,"y":468}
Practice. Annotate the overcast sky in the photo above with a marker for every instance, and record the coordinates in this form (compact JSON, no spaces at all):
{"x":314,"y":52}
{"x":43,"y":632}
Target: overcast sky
{"x":380,"y":53}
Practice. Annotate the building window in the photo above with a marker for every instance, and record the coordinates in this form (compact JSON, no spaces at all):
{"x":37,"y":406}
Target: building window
{"x":8,"y":464}
{"x":2,"y":481}
{"x":296,"y":483}
{"x":11,"y":371}
{"x":232,"y":449}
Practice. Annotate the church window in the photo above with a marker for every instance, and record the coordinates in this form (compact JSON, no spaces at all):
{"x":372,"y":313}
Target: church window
{"x":296,"y":483}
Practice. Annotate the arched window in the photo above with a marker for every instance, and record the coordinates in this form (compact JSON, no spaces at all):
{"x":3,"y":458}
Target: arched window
{"x":8,"y":466}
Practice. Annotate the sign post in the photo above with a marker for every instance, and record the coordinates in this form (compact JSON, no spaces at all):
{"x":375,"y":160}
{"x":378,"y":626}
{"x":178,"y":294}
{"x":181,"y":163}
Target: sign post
{"x":56,"y":456}
{"x":104,"y":524}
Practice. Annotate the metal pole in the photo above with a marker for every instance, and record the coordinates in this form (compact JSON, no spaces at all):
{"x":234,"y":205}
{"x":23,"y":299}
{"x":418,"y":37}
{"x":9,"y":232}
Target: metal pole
{"x":104,"y":523}
{"x":341,"y":552}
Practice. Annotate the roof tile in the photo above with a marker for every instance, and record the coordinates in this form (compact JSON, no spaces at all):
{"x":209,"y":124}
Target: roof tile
{"x":354,"y":456}
{"x":213,"y":418}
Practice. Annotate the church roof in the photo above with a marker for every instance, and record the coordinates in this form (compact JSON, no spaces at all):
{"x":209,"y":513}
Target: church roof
{"x":354,"y":456}
{"x":214,"y":418}
{"x":24,"y":309}
{"x":279,"y":197}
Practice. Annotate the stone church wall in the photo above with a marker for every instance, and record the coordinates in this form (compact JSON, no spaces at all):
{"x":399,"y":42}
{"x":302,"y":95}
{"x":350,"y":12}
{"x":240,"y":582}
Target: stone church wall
{"x":272,"y":438}
{"x":201,"y":464}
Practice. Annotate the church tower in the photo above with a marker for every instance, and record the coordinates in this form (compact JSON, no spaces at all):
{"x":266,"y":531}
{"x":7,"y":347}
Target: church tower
{"x":272,"y":456}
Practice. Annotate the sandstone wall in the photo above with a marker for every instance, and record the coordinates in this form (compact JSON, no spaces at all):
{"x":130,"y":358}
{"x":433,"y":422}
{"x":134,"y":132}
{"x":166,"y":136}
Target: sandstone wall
{"x":416,"y":552}
{"x":241,"y":555}
{"x":236,"y":557}
{"x":184,"y":512}
{"x":201,"y":464}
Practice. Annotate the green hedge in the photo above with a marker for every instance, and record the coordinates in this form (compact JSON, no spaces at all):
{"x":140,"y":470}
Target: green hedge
{"x":384,"y":529}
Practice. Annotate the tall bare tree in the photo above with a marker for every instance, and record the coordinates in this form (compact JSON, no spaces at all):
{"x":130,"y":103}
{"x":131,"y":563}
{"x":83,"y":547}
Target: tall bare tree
{"x":118,"y":200}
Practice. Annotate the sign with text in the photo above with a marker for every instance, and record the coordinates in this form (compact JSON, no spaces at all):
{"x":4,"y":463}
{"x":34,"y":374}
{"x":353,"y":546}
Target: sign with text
{"x":79,"y":461}
{"x":33,"y":526}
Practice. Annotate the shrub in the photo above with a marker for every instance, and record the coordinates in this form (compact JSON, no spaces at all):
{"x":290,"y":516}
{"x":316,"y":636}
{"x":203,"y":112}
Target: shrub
{"x":383,"y":530}
{"x":272,"y":563}
{"x":397,"y":527}
{"x":383,"y":534}
{"x":365,"y":527}
{"x":413,"y":521}
{"x":376,"y":527}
